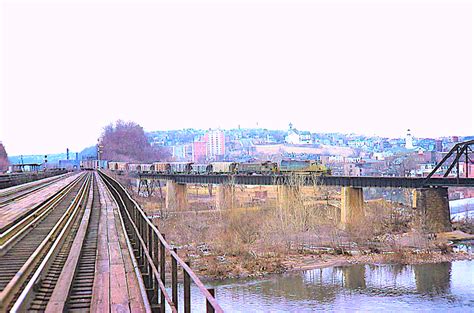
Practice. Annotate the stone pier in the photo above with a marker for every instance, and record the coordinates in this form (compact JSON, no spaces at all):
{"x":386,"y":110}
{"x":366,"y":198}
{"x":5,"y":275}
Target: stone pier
{"x":225,"y":197}
{"x":433,"y":205}
{"x":352,"y":206}
{"x":287,"y":195}
{"x":176,"y":196}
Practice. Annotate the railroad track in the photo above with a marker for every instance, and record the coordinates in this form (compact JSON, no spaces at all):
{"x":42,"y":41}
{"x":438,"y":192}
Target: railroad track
{"x":13,"y":232}
{"x":79,"y":295}
{"x":24,"y":251}
{"x":16,"y":194}
{"x":64,"y":279}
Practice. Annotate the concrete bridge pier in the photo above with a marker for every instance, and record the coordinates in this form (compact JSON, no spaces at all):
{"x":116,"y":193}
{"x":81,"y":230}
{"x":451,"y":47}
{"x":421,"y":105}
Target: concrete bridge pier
{"x":433,"y":203}
{"x":176,"y":196}
{"x":287,"y":195}
{"x":352,"y":206}
{"x":225,"y":197}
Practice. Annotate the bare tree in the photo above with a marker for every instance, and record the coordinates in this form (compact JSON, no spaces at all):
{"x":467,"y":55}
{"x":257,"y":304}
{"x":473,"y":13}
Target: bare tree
{"x":126,"y":141}
{"x":3,"y":158}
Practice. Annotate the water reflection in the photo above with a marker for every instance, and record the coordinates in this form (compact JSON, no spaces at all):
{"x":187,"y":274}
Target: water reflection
{"x":427,"y":287}
{"x":433,"y":279}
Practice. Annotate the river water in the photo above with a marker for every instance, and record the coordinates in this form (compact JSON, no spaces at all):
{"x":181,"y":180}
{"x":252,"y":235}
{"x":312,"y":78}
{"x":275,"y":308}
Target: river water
{"x":437,"y":287}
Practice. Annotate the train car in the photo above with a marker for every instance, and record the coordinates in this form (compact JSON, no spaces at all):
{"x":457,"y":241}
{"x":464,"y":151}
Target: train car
{"x":146,"y":167}
{"x":224,"y":167}
{"x":201,"y":169}
{"x":162,"y":167}
{"x":89,"y":164}
{"x":303,"y":166}
{"x":250,"y":168}
{"x":117,"y":166}
{"x":135,"y":167}
{"x":181,"y":167}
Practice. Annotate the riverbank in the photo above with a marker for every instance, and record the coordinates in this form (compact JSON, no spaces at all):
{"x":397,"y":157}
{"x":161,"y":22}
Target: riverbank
{"x":212,"y":267}
{"x":257,"y":238}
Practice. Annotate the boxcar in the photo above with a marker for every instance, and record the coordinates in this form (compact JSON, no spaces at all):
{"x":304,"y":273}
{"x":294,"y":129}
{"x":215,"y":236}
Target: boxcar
{"x":224,"y":167}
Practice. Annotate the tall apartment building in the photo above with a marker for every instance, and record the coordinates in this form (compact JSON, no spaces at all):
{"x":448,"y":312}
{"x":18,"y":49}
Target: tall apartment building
{"x":215,"y":144}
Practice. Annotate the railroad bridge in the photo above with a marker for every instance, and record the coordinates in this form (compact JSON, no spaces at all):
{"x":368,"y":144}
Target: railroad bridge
{"x":79,"y":242}
{"x":430,"y":194}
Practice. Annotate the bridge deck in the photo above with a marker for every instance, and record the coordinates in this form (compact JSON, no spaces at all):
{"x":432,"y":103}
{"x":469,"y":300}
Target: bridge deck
{"x":116,"y":287}
{"x":10,"y":212}
{"x":309,"y":180}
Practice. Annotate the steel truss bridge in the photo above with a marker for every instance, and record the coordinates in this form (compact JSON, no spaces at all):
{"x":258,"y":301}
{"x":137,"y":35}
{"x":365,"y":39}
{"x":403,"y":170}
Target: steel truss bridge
{"x":462,"y":150}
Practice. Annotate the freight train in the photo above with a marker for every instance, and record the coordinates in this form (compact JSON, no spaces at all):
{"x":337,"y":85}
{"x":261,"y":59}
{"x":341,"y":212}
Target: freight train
{"x":248,"y":168}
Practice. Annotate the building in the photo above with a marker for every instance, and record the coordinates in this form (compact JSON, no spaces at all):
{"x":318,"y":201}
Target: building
{"x":199,"y":151}
{"x":295,"y":137}
{"x":352,"y":169}
{"x":182,"y":152}
{"x":215,"y":144}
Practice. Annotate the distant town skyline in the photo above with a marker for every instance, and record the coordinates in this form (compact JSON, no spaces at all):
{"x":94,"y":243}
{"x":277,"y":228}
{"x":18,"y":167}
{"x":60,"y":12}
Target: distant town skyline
{"x":374,"y":68}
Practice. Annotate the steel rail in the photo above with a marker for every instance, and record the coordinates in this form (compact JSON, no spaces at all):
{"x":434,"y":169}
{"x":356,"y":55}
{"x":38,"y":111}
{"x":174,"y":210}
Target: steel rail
{"x":32,"y":218}
{"x":143,"y":227}
{"x":63,"y":227}
{"x":11,"y":180}
{"x":31,"y":186}
{"x":14,"y":285}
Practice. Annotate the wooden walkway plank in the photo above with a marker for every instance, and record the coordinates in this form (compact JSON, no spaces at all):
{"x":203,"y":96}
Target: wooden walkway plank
{"x":135,"y":296}
{"x":115,"y":261}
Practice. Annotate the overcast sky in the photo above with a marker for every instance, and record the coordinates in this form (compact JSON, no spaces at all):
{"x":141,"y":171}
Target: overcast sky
{"x":68,"y":68}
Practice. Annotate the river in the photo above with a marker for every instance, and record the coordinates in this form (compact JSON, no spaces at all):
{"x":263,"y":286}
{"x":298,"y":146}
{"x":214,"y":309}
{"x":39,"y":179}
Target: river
{"x":437,"y":287}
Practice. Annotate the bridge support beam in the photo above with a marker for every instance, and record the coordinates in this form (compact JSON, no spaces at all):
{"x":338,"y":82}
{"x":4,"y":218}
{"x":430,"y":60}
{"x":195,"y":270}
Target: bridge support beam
{"x":433,"y":205}
{"x":287,"y":195}
{"x":225,"y":197}
{"x":352,"y":207}
{"x":176,"y":196}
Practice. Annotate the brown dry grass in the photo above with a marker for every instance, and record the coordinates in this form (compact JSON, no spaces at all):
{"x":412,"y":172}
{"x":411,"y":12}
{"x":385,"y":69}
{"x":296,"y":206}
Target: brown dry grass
{"x":263,"y":230}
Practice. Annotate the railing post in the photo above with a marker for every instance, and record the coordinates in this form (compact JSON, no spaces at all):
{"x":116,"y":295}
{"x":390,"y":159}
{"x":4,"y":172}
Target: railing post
{"x":187,"y":290}
{"x":209,"y":307}
{"x":174,"y":280}
{"x":140,"y":247}
{"x":156,"y":245}
{"x":162,"y":273}
{"x":150,"y":247}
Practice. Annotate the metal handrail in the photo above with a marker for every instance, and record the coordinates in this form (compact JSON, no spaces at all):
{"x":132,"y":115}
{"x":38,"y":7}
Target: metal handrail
{"x":143,"y":227}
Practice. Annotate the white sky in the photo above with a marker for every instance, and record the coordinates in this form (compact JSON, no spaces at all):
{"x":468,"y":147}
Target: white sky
{"x":68,"y":68}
